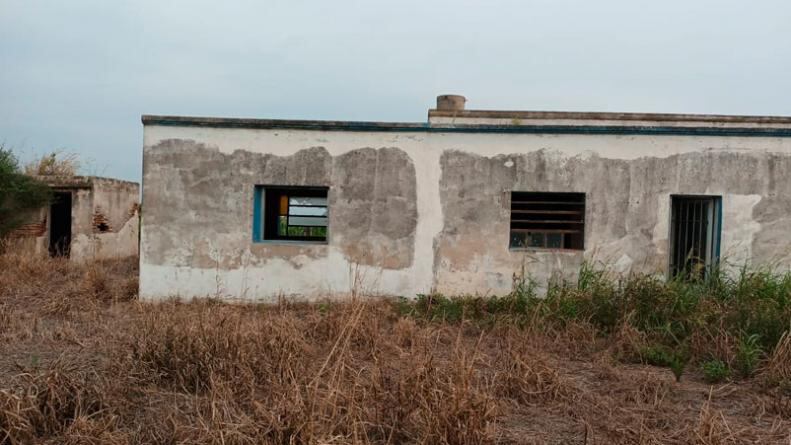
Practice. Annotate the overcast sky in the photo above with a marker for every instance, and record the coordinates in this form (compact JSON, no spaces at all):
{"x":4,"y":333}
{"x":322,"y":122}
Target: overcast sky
{"x":77,"y":75}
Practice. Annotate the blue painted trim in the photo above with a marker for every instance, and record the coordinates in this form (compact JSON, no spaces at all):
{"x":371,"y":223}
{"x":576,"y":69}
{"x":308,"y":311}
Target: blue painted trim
{"x":258,"y":195}
{"x":445,"y":128}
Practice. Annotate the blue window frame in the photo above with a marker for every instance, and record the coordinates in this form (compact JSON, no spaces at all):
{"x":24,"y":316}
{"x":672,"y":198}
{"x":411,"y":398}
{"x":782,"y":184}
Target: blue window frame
{"x":290,"y":214}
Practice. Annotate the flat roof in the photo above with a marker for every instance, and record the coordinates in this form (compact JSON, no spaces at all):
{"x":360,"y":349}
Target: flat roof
{"x":77,"y":181}
{"x":609,"y":116}
{"x":531,"y":122}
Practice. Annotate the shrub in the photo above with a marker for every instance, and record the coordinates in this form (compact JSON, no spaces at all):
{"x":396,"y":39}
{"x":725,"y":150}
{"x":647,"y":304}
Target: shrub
{"x":53,"y":164}
{"x":681,"y":319}
{"x":715,"y":371}
{"x":19,"y":194}
{"x":659,"y":355}
{"x":748,"y":354}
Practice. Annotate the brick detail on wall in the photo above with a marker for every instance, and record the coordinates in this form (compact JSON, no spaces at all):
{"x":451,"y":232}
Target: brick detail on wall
{"x":33,"y":229}
{"x":100,"y":222}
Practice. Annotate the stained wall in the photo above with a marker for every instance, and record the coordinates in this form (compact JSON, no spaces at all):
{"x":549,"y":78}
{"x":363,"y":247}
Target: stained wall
{"x":416,"y":211}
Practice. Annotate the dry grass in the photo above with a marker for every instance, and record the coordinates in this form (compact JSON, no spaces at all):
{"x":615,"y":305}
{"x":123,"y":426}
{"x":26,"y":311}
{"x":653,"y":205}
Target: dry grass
{"x":81,"y":361}
{"x":57,"y":163}
{"x":778,"y":367}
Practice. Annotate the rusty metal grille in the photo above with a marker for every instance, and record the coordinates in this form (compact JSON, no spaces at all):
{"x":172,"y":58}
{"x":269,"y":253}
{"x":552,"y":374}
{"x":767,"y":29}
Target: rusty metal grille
{"x":694,"y":235}
{"x":547,"y":220}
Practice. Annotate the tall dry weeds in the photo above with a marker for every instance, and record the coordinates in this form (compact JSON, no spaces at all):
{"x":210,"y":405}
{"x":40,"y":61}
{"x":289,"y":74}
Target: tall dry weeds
{"x":82,"y":362}
{"x":778,"y":366}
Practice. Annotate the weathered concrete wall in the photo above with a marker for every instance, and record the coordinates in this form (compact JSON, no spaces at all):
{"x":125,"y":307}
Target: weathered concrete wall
{"x":203,"y":220}
{"x":416,"y":211}
{"x":627,"y":211}
{"x":31,"y":237}
{"x":105,"y":220}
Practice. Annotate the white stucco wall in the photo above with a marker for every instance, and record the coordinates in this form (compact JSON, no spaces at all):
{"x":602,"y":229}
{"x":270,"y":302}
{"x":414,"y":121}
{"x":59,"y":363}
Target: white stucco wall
{"x":334,"y":273}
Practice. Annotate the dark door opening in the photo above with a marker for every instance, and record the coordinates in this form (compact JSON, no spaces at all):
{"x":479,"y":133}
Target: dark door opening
{"x":60,"y":225}
{"x":694,"y":235}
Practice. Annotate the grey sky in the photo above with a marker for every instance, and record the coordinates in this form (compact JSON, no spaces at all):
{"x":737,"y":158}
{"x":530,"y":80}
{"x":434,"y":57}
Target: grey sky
{"x":77,"y":75}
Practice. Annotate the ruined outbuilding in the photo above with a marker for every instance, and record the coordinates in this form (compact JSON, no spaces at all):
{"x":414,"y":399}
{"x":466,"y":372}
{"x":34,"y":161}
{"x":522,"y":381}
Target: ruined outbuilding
{"x":89,"y":218}
{"x":255,"y":209}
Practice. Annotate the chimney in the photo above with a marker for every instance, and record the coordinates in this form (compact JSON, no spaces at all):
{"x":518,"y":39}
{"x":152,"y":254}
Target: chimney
{"x":450,"y":102}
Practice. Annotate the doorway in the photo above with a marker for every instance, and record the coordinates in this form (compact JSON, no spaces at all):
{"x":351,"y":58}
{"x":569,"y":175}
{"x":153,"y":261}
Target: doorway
{"x":694,"y":235}
{"x":60,"y":225}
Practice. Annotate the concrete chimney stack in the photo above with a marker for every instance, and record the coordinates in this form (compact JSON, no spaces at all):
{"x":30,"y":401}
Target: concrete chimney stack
{"x":451,"y":102}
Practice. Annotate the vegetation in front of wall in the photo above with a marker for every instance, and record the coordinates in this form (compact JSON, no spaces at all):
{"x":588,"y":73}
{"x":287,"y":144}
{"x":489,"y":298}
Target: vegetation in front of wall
{"x":82,"y":361}
{"x":19,"y":193}
{"x":740,"y":318}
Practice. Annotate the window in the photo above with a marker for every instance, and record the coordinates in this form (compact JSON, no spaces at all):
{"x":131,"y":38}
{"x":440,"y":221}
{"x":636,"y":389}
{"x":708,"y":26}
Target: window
{"x":547,"y":220}
{"x":694,"y":235}
{"x":290,"y":213}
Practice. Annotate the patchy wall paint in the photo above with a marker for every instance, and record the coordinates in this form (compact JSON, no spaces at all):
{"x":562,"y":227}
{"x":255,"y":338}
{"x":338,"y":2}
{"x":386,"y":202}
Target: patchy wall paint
{"x":433,"y":207}
{"x":116,"y":203}
{"x":627,"y":211}
{"x":94,"y":200}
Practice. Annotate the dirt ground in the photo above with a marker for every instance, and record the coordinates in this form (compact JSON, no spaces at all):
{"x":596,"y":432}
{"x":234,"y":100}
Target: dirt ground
{"x":82,"y":361}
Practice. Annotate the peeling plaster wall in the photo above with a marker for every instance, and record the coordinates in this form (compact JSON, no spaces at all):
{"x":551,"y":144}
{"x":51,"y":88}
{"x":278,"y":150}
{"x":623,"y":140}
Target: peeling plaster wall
{"x":412,"y":212}
{"x":114,"y":202}
{"x":627,"y":211}
{"x":31,"y":237}
{"x":118,"y":202}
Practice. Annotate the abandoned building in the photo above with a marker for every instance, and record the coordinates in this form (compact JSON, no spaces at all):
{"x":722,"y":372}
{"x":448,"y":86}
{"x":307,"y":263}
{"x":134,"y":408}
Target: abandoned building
{"x":255,"y":209}
{"x":89,"y":218}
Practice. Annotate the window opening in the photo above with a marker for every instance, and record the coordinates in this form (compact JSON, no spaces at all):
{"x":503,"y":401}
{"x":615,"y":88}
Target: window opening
{"x":694,"y":234}
{"x":547,"y":220}
{"x":291,"y":213}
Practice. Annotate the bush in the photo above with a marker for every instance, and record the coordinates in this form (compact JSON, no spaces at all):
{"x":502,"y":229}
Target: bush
{"x":748,"y":354}
{"x":56,"y":163}
{"x":660,"y":355}
{"x":715,"y":371}
{"x":19,"y":194}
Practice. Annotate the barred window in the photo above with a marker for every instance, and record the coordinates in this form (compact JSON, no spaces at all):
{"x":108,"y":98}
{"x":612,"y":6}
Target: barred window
{"x":694,"y":235}
{"x":547,"y":220}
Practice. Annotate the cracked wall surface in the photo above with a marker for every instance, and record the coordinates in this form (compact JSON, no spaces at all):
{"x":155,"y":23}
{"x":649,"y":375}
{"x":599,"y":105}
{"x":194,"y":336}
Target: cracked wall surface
{"x":113,"y":203}
{"x":627,"y":211}
{"x":414,"y":212}
{"x":204,"y":216}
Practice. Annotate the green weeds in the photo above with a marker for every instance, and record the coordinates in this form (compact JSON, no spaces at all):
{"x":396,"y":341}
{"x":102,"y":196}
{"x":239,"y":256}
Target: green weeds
{"x":715,"y":371}
{"x":753,"y":306}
